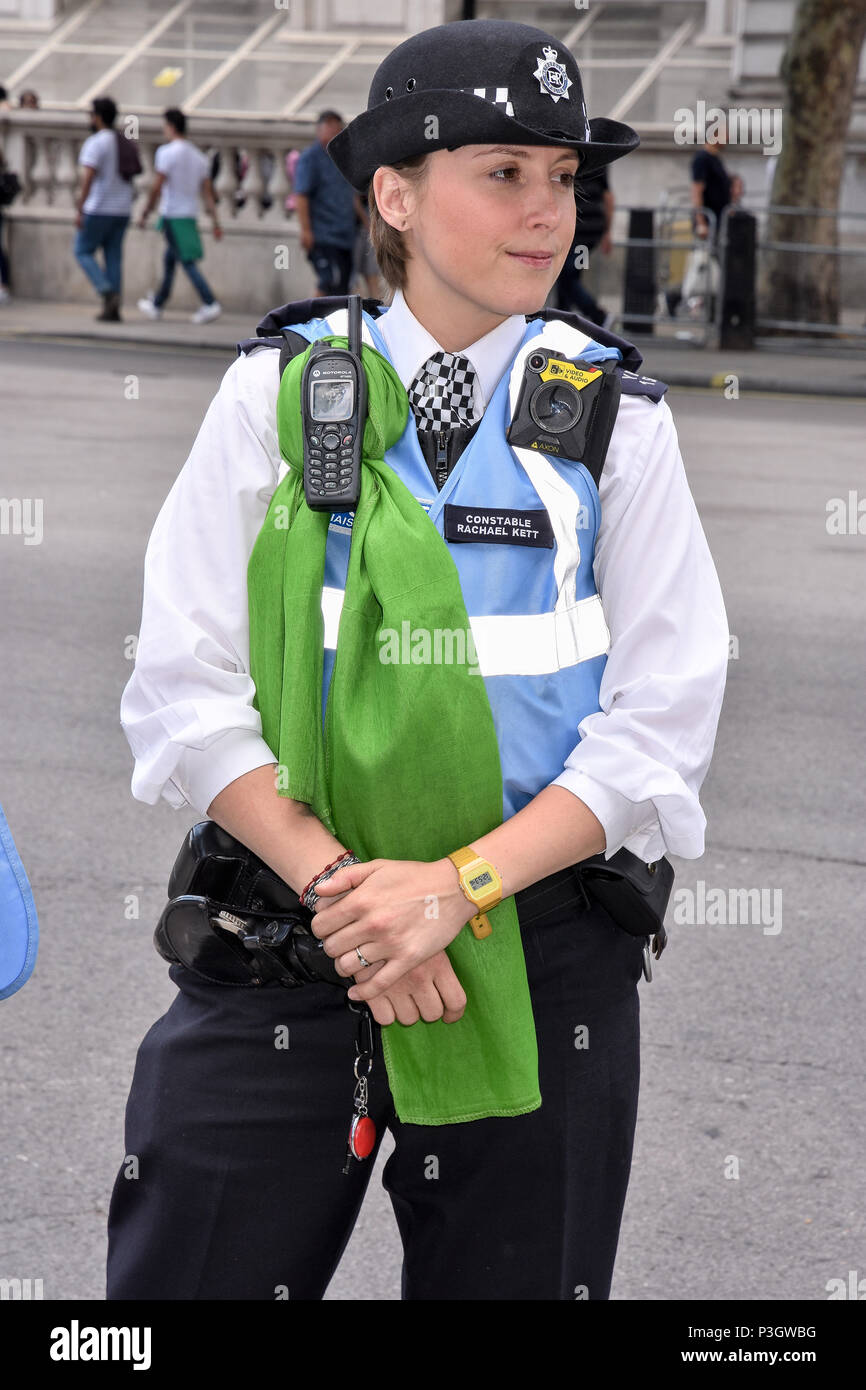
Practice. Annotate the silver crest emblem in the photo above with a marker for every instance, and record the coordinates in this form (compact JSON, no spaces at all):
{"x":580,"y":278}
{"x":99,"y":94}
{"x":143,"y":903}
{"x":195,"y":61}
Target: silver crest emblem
{"x":552,"y":77}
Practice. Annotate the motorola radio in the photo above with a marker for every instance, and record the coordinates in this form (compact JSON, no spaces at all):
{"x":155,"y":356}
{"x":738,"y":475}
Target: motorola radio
{"x":333,"y":416}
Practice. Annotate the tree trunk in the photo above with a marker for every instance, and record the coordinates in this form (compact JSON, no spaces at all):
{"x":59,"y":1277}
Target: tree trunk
{"x":819,"y":70}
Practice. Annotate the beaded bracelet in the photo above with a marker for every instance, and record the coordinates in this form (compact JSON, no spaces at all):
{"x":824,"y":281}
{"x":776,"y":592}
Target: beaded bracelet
{"x":309,"y":897}
{"x":314,"y":879}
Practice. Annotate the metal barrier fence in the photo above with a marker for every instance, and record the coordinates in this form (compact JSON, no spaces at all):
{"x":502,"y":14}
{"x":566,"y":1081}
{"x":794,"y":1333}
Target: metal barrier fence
{"x":670,"y":276}
{"x":704,"y":288}
{"x":843,"y":263}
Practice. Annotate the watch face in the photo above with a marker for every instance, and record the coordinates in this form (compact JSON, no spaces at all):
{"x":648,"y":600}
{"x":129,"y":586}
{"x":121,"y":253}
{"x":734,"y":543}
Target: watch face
{"x":481,"y":881}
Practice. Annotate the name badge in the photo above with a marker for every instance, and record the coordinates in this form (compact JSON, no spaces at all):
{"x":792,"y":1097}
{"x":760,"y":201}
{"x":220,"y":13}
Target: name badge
{"x":498,"y":527}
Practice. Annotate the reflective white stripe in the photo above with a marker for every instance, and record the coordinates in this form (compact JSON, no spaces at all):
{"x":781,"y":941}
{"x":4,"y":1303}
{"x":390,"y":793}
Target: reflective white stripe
{"x":332,"y":607}
{"x":522,"y":644}
{"x":534,"y":644}
{"x":562,"y":505}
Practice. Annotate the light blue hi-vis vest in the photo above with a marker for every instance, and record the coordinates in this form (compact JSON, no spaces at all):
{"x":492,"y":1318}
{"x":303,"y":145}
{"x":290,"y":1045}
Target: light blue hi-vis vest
{"x":537,"y":621}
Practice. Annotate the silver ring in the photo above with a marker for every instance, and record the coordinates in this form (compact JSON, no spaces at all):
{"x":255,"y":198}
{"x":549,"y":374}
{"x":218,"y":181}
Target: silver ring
{"x":361,"y":957}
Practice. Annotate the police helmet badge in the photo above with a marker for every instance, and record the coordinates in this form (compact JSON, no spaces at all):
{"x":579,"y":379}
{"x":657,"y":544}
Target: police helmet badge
{"x":551,"y":75}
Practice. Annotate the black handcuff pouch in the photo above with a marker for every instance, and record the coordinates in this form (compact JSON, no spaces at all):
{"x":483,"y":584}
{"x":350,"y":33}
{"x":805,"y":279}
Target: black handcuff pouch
{"x":634,"y":894}
{"x":232,"y":920}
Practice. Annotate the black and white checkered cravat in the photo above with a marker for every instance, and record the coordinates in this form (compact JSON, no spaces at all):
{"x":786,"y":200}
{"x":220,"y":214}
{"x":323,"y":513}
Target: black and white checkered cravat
{"x":442,"y":393}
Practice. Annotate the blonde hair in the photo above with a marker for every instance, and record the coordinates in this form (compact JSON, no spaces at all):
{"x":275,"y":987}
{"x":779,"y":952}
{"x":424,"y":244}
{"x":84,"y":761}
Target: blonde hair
{"x":388,"y":243}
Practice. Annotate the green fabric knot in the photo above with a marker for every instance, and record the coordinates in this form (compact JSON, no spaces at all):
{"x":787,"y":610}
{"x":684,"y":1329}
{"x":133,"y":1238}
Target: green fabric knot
{"x":387,"y":405}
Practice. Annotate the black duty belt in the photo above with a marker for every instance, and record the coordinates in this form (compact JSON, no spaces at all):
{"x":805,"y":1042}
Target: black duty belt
{"x":232,"y":920}
{"x":569,"y":888}
{"x":560,"y":890}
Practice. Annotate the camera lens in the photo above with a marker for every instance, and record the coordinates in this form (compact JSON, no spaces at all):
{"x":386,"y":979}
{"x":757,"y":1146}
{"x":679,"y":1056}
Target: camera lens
{"x":536,"y":361}
{"x":556,"y":407}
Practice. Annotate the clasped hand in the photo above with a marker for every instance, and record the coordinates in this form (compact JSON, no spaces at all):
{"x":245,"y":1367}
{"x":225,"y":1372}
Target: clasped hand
{"x":402,"y":914}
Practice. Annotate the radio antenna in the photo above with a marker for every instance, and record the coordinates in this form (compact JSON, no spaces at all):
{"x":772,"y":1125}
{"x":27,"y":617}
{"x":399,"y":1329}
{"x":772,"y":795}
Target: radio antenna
{"x":354,"y":334}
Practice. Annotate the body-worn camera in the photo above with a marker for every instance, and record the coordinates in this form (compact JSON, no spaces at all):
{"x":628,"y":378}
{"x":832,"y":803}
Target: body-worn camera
{"x":566,"y":408}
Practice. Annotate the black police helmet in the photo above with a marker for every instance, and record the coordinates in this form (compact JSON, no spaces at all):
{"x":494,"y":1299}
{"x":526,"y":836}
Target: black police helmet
{"x":475,"y":82}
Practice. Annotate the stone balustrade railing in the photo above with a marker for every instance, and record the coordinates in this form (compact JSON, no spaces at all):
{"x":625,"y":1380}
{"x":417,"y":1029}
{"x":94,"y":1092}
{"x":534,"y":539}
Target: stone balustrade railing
{"x":42,"y":147}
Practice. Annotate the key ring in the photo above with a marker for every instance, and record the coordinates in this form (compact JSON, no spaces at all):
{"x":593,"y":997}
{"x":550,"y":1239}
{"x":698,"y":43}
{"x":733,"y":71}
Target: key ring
{"x":360,"y":1097}
{"x":364,"y":1040}
{"x":362,"y":1130}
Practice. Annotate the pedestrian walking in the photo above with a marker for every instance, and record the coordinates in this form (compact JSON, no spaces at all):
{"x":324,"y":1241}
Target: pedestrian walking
{"x":594,"y":219}
{"x":182,"y":173}
{"x":10,"y":187}
{"x":711,"y":185}
{"x":712,"y":190}
{"x":103,"y":207}
{"x":325,"y":205}
{"x":435,"y":826}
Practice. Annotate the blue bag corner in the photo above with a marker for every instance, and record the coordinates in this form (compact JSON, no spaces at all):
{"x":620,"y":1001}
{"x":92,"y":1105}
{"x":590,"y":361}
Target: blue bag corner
{"x":19,"y":927}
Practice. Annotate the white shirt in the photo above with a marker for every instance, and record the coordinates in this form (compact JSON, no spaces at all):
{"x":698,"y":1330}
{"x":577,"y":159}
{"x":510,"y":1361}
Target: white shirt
{"x":184,"y":167}
{"x":409,"y":346}
{"x":187,"y":709}
{"x":110,"y":194}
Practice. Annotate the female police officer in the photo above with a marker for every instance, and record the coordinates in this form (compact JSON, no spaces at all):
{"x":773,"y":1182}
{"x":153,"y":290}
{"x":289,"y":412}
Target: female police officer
{"x":602,"y":638}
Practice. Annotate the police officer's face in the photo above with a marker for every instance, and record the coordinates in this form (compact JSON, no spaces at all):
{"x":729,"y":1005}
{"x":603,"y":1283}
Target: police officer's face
{"x":493,"y":223}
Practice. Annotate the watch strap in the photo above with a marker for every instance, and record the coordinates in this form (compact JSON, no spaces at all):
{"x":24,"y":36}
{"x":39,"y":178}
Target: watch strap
{"x":480,"y":925}
{"x":462,"y":858}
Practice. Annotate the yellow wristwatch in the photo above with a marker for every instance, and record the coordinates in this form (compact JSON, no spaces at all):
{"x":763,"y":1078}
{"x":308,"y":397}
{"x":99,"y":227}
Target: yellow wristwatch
{"x":481,"y":884}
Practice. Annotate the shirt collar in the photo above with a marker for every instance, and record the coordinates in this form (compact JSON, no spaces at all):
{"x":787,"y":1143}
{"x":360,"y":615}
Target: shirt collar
{"x":409,"y":345}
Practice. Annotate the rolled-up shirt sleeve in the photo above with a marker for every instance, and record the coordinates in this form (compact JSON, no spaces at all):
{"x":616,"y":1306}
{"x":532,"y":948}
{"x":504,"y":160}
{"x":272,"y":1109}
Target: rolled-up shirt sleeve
{"x":641,"y":760}
{"x":187,"y":709}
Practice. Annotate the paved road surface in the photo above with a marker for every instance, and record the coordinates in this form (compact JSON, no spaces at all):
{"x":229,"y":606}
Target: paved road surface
{"x":753,"y":1051}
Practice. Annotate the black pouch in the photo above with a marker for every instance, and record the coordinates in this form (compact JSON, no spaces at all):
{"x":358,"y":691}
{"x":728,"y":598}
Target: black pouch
{"x":213,"y":864}
{"x":232,"y":920}
{"x":633,"y":893}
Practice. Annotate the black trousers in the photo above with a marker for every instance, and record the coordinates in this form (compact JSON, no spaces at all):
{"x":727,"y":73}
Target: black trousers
{"x":233,"y":1187}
